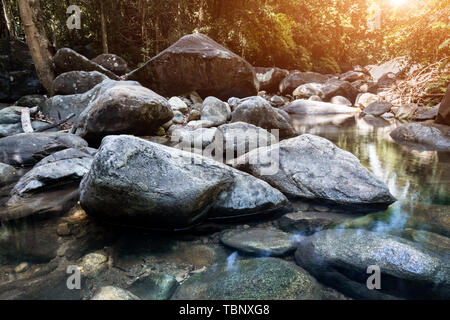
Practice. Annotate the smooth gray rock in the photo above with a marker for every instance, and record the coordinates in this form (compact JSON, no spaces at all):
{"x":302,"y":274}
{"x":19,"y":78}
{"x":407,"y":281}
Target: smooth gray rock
{"x":254,"y":279}
{"x":302,"y":106}
{"x":312,"y":167}
{"x":133,"y":181}
{"x":262,"y":242}
{"x":197,"y":139}
{"x":75,"y":82}
{"x":259,"y":112}
{"x":426,"y":114}
{"x":377,"y":108}
{"x":197,"y":63}
{"x":215,"y":111}
{"x":63,"y":167}
{"x":178,"y":105}
{"x":123,"y":109}
{"x":67,"y":60}
{"x":154,"y":287}
{"x":341,"y":257}
{"x":297,"y":78}
{"x":426,"y":136}
{"x":27,"y":149}
{"x":307,"y":90}
{"x":341,"y":100}
{"x":112,"y":62}
{"x":7,"y":174}
{"x":63,"y":106}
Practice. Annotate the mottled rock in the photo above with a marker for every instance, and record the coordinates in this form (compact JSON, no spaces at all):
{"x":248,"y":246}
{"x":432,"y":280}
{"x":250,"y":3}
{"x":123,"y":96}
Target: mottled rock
{"x":112,"y":62}
{"x":7,"y":174}
{"x":377,"y":108}
{"x":75,"y":82}
{"x":154,"y":287}
{"x":423,"y":135}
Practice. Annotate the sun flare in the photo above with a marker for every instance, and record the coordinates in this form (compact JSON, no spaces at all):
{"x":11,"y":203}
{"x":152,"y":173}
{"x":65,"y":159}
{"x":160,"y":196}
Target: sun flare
{"x":398,"y":3}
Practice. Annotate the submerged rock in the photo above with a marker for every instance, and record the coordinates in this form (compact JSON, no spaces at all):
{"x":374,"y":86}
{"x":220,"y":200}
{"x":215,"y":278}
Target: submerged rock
{"x":263,"y":242}
{"x":142,"y":183}
{"x":26,"y":149}
{"x":154,"y":287}
{"x":75,"y":82}
{"x":127,"y":109}
{"x":427,"y":136}
{"x":197,"y":63}
{"x":340,"y":258}
{"x":113,"y":293}
{"x":254,"y":279}
{"x":312,"y":167}
{"x":302,"y":106}
{"x":259,"y":112}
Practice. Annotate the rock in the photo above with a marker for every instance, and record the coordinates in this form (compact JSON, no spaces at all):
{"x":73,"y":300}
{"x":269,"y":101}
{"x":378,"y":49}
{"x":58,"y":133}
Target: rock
{"x":340,"y":258}
{"x":423,"y":135}
{"x":18,"y":75}
{"x":335,"y":87}
{"x":240,"y":138}
{"x":254,"y":279}
{"x":74,"y":82}
{"x":31,"y":101}
{"x":154,"y":287}
{"x":312,"y":167}
{"x":178,"y":117}
{"x":93,"y":264}
{"x":297,"y":78}
{"x":376,"y":121}
{"x":162,"y":187}
{"x":197,"y":63}
{"x":112,"y":62}
{"x":426,"y":114}
{"x":114,"y":293}
{"x":257,"y":111}
{"x":406,"y":111}
{"x":125,"y":109}
{"x":315,"y":107}
{"x":341,"y":100}
{"x":198,"y":124}
{"x":270,"y":78}
{"x":365,"y":99}
{"x":194,"y":115}
{"x":444,"y":109}
{"x":388,"y":116}
{"x":178,"y":105}
{"x":26,"y":149}
{"x":387,"y":80}
{"x":352,"y":76}
{"x":63,"y":167}
{"x":7,"y":174}
{"x":315,"y":98}
{"x":193,"y":139}
{"x":278,"y":101}
{"x":307,"y":90}
{"x":394,"y":66}
{"x":262,"y":242}
{"x":11,"y":123}
{"x":305,"y":223}
{"x":21,"y":267}
{"x":377,"y":108}
{"x":62,"y":106}
{"x":215,"y":111}
{"x":67,"y":60}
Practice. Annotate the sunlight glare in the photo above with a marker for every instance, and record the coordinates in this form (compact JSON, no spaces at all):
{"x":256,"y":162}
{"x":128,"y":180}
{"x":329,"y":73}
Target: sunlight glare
{"x":398,"y":3}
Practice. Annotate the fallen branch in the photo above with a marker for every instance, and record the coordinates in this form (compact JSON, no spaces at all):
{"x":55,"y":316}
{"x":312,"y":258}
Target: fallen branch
{"x":57,"y":124}
{"x":25,"y":117}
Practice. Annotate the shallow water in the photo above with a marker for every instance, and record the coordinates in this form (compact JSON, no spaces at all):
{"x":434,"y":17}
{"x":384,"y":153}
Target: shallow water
{"x":419,"y":179}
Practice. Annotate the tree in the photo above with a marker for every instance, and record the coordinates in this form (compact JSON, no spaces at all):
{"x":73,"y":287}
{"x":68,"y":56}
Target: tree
{"x":34,"y":27}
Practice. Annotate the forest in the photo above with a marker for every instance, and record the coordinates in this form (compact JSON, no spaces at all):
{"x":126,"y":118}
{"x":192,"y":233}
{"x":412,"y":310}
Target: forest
{"x":224,"y":150}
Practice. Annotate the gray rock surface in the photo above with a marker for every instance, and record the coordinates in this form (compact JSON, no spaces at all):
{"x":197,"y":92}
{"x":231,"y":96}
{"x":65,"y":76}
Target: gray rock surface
{"x":427,"y":136}
{"x":75,"y":82}
{"x":302,"y":106}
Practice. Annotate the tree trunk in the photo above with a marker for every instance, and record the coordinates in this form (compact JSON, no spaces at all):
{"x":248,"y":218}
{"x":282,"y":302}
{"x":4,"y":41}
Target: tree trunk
{"x":32,"y":21}
{"x":11,"y":30}
{"x":104,"y":30}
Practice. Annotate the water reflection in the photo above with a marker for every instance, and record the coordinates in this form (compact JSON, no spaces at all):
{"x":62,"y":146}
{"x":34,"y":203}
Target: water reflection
{"x":420,"y":180}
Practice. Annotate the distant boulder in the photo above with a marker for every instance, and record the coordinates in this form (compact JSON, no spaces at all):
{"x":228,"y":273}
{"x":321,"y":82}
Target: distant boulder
{"x":198,"y":63}
{"x":297,"y":78}
{"x":426,"y":136}
{"x":112,"y":62}
{"x":270,"y":78}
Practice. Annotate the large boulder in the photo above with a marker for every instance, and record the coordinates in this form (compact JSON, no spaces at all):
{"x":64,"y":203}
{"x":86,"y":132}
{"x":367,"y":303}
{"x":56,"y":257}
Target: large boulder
{"x":254,"y":279}
{"x":63,"y":106}
{"x":61,"y":168}
{"x":197,"y":63}
{"x":340,"y":258}
{"x":310,"y":107}
{"x":67,"y":60}
{"x":127,"y":109}
{"x":77,"y":82}
{"x":444,"y":109}
{"x":427,"y":136}
{"x":312,"y":167}
{"x":133,"y":181}
{"x":297,"y":78}
{"x":270,"y":78}
{"x":259,"y":112}
{"x":27,"y":149}
{"x":18,"y":75}
{"x":112,"y":62}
